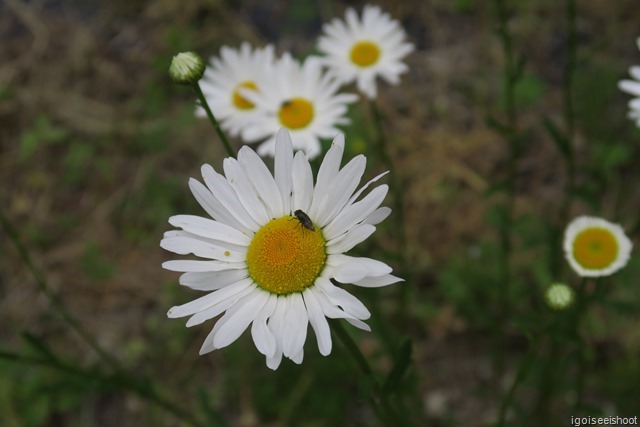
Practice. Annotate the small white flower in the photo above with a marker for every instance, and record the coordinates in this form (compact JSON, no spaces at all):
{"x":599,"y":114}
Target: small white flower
{"x":633,"y":87}
{"x":596,"y":247}
{"x":300,"y":98}
{"x":361,"y":50}
{"x":267,"y":268}
{"x":222,"y":82}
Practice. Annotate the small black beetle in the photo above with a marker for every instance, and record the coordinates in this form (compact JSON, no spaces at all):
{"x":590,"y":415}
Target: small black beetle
{"x":304,"y":220}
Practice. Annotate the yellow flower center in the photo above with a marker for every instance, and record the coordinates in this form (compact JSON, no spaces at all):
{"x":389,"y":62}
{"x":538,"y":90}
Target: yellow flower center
{"x":595,"y":248}
{"x":296,"y":113}
{"x":365,"y":53}
{"x":240,"y":102}
{"x":284,"y":257}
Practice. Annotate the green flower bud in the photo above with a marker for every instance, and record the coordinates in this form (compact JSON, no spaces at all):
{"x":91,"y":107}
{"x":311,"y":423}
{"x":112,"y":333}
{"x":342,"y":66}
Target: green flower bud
{"x":186,"y":68}
{"x":559,"y":296}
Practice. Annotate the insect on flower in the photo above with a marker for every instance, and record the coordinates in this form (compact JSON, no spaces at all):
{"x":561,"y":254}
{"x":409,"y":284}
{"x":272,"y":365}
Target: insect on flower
{"x":304,"y":220}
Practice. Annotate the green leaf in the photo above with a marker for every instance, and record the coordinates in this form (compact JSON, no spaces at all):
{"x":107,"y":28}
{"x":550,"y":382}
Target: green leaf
{"x":561,"y":141}
{"x":39,"y":346}
{"x":400,"y":366}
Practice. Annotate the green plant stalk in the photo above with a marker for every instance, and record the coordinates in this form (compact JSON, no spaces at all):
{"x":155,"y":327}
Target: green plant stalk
{"x":512,"y":75}
{"x":521,"y":375}
{"x":567,"y":96}
{"x":398,"y":202}
{"x":383,"y":410}
{"x":567,"y":323}
{"x":56,"y":303}
{"x":582,"y":303}
{"x":119,"y":377}
{"x":67,"y":317}
{"x":212,"y":119}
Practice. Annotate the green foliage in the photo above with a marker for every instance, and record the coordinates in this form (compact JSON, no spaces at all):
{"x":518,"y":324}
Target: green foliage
{"x":95,"y":265}
{"x":43,"y":132}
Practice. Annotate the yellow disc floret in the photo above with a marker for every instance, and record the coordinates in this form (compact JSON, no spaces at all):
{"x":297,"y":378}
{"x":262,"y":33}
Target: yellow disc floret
{"x":365,"y":53}
{"x":284,"y":257}
{"x":240,"y":101}
{"x":595,"y":248}
{"x":296,"y":113}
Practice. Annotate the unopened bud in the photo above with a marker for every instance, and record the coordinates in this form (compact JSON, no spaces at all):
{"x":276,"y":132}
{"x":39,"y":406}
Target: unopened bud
{"x":559,"y":296}
{"x":186,"y":68}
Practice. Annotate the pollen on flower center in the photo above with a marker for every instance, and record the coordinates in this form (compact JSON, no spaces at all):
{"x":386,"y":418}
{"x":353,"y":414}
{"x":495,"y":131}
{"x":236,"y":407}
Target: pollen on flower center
{"x":365,"y":53}
{"x":296,"y":113}
{"x":284,"y":257}
{"x":595,"y":248}
{"x":240,"y":101}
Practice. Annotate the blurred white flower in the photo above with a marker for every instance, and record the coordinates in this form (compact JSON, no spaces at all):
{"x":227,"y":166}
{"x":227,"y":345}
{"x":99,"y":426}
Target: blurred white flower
{"x":300,"y":98}
{"x":633,"y":87}
{"x":222,"y":81}
{"x":275,"y":249}
{"x":361,"y":50}
{"x":596,"y":247}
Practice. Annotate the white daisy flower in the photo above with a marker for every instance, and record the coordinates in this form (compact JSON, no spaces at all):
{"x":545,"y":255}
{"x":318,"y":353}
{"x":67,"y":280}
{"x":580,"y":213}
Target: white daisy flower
{"x":633,"y":87}
{"x":300,"y":98}
{"x":361,"y":50}
{"x":596,"y":247}
{"x":274,"y":250}
{"x":221,"y":83}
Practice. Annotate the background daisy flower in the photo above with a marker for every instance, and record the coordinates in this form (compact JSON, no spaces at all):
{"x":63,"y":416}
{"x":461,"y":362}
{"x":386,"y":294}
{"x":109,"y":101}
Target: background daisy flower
{"x":222,"y":81}
{"x":361,"y":50}
{"x":300,"y":98}
{"x":596,"y":247}
{"x":633,"y":87}
{"x":264,"y":267}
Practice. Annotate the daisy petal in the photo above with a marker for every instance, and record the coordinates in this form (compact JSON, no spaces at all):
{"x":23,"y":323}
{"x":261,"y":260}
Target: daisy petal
{"x":318,"y":322}
{"x":238,"y":318}
{"x":209,"y":228}
{"x":377,"y":282}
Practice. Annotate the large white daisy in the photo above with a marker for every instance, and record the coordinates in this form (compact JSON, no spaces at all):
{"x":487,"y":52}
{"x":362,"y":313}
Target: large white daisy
{"x":596,"y":247}
{"x":361,"y":50}
{"x":221,"y":83}
{"x":300,"y":98}
{"x":274,"y":250}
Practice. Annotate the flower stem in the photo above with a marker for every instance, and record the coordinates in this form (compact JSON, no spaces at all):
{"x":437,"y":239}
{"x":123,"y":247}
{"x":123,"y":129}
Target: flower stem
{"x":512,"y":73}
{"x":398,"y":202}
{"x":382,"y":409}
{"x":126,"y":379}
{"x":56,"y":303}
{"x":212,"y":119}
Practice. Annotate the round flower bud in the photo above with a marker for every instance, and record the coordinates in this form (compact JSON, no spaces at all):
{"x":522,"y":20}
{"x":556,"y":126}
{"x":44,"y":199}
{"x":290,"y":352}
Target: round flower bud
{"x":559,"y":296}
{"x":186,"y":68}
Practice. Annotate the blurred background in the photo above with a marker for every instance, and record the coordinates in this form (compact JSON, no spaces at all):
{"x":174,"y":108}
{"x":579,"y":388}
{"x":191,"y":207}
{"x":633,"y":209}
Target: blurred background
{"x":97,"y":145}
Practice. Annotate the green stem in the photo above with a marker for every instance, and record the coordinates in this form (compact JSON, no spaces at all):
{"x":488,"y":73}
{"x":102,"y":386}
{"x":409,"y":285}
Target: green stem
{"x":521,"y":375}
{"x":212,"y":119}
{"x":130,"y":383}
{"x":512,"y":72}
{"x":56,"y":303}
{"x":382,"y":409}
{"x":569,"y":72}
{"x":398,"y":203}
{"x":582,"y":302}
{"x":146,"y":392}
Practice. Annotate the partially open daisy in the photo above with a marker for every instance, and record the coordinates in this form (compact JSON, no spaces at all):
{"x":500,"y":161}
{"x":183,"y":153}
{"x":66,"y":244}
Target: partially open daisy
{"x":361,"y":50}
{"x":222,"y":82}
{"x":300,"y":98}
{"x":596,"y":247}
{"x":275,"y":248}
{"x":633,"y":87}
